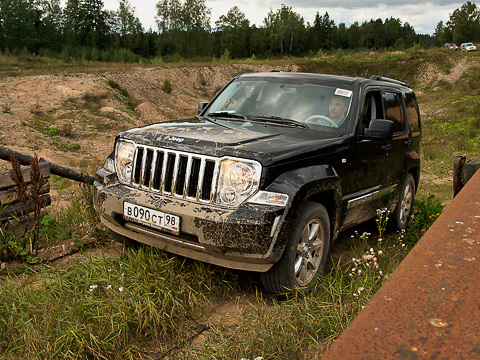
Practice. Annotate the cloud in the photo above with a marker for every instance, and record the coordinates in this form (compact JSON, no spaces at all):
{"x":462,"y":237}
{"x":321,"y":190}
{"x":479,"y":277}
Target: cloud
{"x":424,"y":17}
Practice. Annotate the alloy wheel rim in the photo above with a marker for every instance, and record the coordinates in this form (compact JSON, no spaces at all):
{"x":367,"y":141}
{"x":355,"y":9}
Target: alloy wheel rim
{"x":406,"y":204}
{"x":309,"y":252}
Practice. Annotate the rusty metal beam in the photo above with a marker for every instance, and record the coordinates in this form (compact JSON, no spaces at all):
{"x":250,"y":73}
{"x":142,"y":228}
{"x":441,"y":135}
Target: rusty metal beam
{"x":430,"y":307}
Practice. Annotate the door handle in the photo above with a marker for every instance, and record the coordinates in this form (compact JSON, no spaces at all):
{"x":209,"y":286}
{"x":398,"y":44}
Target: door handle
{"x":388,"y":147}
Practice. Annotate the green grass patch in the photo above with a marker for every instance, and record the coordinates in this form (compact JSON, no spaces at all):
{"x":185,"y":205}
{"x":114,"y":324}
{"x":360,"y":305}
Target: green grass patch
{"x":139,"y":303}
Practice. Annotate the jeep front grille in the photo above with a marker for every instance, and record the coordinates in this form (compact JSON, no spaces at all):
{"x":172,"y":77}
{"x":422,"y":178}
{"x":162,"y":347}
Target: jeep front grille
{"x":176,"y":173}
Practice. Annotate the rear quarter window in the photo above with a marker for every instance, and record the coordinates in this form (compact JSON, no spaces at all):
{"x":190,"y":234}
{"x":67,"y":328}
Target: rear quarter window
{"x":412,"y":113}
{"x":394,"y":111}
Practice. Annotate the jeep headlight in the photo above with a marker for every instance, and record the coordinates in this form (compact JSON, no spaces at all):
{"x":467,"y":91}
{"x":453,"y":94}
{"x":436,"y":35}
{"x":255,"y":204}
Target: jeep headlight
{"x":125,"y":151}
{"x":237,"y":181}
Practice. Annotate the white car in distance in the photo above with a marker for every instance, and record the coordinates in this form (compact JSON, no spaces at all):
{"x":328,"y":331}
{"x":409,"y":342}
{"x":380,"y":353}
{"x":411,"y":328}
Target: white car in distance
{"x":468,"y":47}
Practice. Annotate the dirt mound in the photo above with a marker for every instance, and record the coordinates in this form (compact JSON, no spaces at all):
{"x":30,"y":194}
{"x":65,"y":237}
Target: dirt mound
{"x":72,"y":120}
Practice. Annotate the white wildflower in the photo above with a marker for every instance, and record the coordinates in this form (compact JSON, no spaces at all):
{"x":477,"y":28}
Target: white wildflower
{"x":92,"y":287}
{"x":120,"y":288}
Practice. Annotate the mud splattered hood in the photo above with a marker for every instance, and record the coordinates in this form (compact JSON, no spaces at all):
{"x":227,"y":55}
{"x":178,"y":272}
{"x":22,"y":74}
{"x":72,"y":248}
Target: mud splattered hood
{"x":266,"y":143}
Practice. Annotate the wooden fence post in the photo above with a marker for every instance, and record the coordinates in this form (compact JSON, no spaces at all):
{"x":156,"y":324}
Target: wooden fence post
{"x":458,"y":162}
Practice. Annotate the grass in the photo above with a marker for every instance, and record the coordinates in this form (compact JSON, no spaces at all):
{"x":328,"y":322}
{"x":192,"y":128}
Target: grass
{"x":106,"y":308}
{"x":148,"y":304}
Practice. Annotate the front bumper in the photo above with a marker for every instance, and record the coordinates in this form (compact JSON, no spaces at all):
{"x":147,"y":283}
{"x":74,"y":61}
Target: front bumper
{"x":243,"y":238}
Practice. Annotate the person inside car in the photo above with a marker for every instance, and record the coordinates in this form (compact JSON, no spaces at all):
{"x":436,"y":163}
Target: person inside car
{"x":337,"y":109}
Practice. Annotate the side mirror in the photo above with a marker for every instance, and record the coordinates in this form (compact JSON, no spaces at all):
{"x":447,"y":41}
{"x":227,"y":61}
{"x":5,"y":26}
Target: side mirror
{"x":380,"y":130}
{"x":202,"y":107}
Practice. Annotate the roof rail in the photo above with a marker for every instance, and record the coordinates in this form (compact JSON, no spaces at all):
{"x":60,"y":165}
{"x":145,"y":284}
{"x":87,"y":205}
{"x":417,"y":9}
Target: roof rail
{"x":382,"y":78}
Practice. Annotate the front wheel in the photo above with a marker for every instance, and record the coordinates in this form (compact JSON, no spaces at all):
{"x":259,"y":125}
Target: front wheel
{"x":401,"y":214}
{"x":305,"y":254}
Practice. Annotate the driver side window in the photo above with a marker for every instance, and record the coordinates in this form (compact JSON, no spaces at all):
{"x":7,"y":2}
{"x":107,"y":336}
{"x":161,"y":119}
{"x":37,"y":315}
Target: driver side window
{"x":372,"y":109}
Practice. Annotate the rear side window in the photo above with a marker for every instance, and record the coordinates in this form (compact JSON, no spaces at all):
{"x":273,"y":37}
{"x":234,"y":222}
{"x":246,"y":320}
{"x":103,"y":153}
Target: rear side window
{"x":394,"y":111}
{"x":412,"y":113}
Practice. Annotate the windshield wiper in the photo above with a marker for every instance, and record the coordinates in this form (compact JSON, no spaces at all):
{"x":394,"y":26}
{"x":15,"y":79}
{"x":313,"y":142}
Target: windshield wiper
{"x":227,"y":114}
{"x":280,"y":121}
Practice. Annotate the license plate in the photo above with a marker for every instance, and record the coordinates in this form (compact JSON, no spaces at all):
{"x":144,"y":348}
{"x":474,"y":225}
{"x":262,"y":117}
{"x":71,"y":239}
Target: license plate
{"x":151,"y":217}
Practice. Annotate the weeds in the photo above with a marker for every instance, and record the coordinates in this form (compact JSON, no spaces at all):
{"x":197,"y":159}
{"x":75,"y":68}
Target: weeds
{"x":67,"y":130}
{"x":106,"y":307}
{"x":6,"y":108}
{"x":30,"y":195}
{"x":424,"y":214}
{"x":93,"y":102}
{"x":167,"y":86}
{"x":114,"y":85}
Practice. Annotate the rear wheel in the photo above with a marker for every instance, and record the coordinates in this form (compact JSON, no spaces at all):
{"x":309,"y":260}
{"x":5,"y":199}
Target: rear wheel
{"x":401,"y":214}
{"x":305,"y":254}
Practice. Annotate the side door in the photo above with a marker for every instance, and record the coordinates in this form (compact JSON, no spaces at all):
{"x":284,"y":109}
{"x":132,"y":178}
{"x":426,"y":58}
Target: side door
{"x":395,"y":110}
{"x":364,"y":188}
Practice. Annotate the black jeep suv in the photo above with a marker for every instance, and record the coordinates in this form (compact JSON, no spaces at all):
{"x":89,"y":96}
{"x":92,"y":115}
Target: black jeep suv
{"x":268,"y":173}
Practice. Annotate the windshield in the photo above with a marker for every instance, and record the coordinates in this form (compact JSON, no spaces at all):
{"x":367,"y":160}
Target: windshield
{"x":316,"y":105}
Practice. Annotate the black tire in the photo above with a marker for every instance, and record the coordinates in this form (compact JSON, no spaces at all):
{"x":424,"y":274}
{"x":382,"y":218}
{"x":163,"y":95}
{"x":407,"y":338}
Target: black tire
{"x":305,"y":254}
{"x":400,"y":216}
{"x":125,"y":241}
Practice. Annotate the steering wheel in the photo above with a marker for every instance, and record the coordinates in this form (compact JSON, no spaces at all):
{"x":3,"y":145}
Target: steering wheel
{"x":321,"y":120}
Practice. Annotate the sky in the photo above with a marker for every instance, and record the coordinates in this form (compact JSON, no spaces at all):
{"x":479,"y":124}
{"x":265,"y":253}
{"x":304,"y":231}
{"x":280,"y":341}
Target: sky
{"x":423,"y":16}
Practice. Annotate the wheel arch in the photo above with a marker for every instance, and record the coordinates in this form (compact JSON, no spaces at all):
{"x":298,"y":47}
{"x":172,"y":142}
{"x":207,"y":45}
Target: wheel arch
{"x":319,"y":184}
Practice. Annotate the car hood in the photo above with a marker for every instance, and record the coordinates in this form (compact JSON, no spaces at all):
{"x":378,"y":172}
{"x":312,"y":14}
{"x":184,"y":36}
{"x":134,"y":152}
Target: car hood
{"x":259,"y":141}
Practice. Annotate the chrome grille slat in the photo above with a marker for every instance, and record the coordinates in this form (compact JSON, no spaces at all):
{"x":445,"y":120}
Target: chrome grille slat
{"x":175,"y":173}
{"x":164,"y":171}
{"x":200,"y":179}
{"x":142,"y":172}
{"x":187,"y":176}
{"x":153,"y":169}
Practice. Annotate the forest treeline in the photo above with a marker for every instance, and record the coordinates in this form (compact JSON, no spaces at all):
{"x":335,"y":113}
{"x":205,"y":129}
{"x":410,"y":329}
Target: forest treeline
{"x":84,"y":30}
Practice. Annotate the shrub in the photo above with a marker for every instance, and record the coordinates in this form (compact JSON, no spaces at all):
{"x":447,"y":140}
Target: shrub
{"x":167,"y":86}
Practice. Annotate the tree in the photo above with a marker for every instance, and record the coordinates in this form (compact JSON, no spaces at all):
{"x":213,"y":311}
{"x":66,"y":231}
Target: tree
{"x":443,"y":34}
{"x":18,"y":21}
{"x":184,"y":27}
{"x":393,"y":29}
{"x":128,"y":25}
{"x":323,"y":28}
{"x":284,"y":28}
{"x":465,"y":23}
{"x":234,"y":29}
{"x":87,"y":23}
{"x":50,"y":26}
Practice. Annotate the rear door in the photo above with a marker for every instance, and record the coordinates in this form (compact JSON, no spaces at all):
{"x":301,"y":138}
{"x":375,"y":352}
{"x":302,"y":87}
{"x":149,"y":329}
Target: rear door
{"x":395,"y":110}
